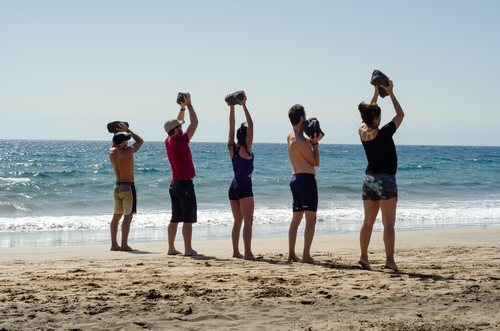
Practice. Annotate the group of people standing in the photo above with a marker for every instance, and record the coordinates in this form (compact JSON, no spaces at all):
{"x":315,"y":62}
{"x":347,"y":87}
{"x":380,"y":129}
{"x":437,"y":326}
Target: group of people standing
{"x":379,"y":190}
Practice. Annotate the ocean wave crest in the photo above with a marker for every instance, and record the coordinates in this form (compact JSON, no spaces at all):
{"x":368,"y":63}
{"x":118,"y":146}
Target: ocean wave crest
{"x":421,"y":216}
{"x":14,"y":180}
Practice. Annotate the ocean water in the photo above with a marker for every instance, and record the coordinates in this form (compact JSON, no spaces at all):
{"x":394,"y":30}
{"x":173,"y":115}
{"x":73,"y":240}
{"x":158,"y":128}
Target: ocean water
{"x":60,"y":192}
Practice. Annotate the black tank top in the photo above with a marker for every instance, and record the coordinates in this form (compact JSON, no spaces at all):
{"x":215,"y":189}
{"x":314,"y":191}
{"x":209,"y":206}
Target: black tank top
{"x":242,"y":167}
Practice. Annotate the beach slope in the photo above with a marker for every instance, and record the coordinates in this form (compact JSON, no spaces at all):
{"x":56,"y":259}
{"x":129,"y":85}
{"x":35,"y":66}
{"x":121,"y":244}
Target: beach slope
{"x":448,"y":280}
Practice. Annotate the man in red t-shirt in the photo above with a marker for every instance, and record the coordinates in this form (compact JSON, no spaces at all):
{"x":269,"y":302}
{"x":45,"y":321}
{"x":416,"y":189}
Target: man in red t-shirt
{"x":181,"y":188}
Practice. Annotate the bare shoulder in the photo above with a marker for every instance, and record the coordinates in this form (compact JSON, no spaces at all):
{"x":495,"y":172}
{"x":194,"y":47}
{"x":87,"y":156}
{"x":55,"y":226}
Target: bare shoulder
{"x":362,"y":131}
{"x":362,"y":127}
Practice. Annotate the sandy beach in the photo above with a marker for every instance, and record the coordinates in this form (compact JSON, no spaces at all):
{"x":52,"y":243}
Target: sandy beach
{"x":448,"y":280}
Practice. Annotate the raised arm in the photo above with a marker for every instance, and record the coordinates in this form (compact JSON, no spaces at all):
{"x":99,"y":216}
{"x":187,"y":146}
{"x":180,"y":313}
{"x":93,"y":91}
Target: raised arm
{"x":375,"y":96}
{"x":248,"y":118}
{"x":397,"y":107}
{"x":230,"y":139}
{"x":193,"y":119}
{"x":138,"y":141}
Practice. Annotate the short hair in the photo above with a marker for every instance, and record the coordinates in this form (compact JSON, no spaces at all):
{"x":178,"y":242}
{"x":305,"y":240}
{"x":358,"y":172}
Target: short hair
{"x":241,"y":134}
{"x":295,"y":113}
{"x":368,"y":112}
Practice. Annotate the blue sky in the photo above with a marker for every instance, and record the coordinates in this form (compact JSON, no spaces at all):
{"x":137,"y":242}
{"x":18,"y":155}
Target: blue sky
{"x":69,"y":67}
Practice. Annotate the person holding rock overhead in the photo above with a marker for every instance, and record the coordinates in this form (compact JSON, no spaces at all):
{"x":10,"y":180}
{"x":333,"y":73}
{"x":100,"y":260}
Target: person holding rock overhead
{"x":380,"y":191}
{"x":240,"y":192}
{"x":182,"y":194}
{"x":122,"y":159}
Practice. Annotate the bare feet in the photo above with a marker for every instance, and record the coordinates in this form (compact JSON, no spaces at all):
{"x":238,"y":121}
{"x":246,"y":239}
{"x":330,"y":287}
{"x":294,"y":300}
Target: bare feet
{"x":293,"y":258}
{"x":126,"y":249}
{"x":249,"y":256}
{"x":190,"y":252}
{"x":115,"y":248}
{"x":307,"y":259}
{"x":173,"y":251}
{"x":237,"y":255}
{"x":391,"y":265}
{"x":364,"y":264}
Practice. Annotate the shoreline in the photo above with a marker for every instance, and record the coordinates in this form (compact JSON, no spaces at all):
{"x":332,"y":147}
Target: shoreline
{"x":200,"y":233}
{"x":447,"y":280}
{"x":470,"y":236}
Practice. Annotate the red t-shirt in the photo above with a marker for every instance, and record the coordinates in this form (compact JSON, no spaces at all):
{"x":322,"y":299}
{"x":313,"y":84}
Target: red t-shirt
{"x":179,"y":156}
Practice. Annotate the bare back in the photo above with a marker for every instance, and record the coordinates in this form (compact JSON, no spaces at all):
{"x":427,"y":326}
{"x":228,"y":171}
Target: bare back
{"x":123,"y":163}
{"x":301,"y":154}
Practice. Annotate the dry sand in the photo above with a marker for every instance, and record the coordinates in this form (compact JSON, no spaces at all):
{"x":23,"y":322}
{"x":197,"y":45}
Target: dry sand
{"x":448,"y":280}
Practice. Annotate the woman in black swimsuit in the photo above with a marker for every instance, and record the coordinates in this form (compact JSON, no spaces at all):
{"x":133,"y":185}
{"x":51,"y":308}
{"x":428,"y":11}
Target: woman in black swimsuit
{"x":240,"y":192}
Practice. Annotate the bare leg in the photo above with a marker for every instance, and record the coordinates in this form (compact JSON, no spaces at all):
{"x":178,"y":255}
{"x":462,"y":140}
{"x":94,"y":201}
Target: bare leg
{"x":388,"y":208}
{"x":292,"y":235}
{"x":235,"y":234}
{"x":113,"y":228}
{"x":309,"y":236}
{"x":371,"y":210}
{"x":247,"y":207}
{"x":172,"y":232}
{"x":127,"y":219}
{"x":187,"y":233}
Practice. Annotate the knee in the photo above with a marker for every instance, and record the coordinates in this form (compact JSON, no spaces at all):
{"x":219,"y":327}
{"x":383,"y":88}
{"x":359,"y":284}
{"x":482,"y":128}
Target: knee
{"x":388,"y":224}
{"x":368,"y":223}
{"x":116,"y":218}
{"x":248,"y":221}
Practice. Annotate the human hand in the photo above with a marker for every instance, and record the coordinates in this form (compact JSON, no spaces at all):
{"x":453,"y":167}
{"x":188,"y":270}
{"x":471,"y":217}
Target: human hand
{"x":244,"y":101}
{"x":314,"y":140}
{"x":389,"y":89}
{"x":122,"y":127}
{"x":187,"y":99}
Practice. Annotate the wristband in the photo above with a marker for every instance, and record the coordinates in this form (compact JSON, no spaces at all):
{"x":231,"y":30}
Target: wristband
{"x":183,"y":109}
{"x":315,"y":144}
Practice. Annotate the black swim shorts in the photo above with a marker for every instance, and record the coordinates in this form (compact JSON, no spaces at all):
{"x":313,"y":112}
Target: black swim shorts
{"x":241,"y":188}
{"x":183,"y":201}
{"x":304,"y":192}
{"x":379,"y":187}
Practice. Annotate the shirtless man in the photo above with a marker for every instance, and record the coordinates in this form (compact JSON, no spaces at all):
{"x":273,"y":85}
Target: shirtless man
{"x":304,"y":156}
{"x":122,"y":160}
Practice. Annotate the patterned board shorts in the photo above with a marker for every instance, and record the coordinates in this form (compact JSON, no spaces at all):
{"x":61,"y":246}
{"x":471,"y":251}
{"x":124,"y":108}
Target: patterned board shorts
{"x":379,"y":187}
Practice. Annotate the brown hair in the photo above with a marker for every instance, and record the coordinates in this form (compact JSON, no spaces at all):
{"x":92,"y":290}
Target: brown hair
{"x":295,"y":113}
{"x":368,"y":112}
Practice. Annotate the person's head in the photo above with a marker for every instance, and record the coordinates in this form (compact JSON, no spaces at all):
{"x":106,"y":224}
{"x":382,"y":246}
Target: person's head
{"x":241,"y":134}
{"x":296,"y":114}
{"x":173,"y":127}
{"x":370,"y":114}
{"x":120,"y":140}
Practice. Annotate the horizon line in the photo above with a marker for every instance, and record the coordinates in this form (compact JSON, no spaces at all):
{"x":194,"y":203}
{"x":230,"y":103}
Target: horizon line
{"x":223,"y":142}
